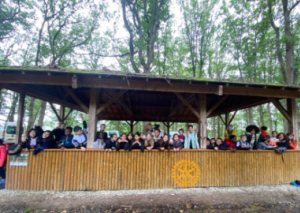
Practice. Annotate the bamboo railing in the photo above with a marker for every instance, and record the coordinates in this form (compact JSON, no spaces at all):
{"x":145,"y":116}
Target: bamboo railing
{"x":99,"y":170}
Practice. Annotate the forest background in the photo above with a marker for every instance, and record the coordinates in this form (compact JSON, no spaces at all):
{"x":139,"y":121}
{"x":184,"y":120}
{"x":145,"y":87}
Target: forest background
{"x":255,"y":41}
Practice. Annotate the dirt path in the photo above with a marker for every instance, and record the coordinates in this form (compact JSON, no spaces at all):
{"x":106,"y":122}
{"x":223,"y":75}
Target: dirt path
{"x":280,"y":198}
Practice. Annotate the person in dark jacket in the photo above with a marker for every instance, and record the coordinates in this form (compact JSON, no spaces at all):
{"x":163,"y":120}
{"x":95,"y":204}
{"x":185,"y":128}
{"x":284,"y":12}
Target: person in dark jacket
{"x":30,"y":140}
{"x":209,"y":145}
{"x":220,"y":145}
{"x":123,"y":143}
{"x":46,"y":142}
{"x":263,"y":133}
{"x":177,"y":144}
{"x":59,"y":131}
{"x":66,"y":140}
{"x":112,"y":143}
{"x":252,"y":130}
{"x":231,"y":143}
{"x":282,"y":140}
{"x":181,"y":136}
{"x":164,"y":143}
{"x":137,"y":143}
{"x":102,"y":129}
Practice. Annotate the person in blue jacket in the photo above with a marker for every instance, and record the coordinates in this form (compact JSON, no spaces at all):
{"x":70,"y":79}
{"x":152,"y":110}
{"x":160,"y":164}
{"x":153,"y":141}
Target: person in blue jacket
{"x":66,"y":140}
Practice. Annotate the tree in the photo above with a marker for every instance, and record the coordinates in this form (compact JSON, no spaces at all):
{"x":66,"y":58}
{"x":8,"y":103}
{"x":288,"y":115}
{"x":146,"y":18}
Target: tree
{"x":143,"y":27}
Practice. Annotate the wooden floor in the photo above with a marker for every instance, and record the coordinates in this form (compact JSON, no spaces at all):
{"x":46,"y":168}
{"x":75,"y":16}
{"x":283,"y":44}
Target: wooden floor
{"x":100,"y":170}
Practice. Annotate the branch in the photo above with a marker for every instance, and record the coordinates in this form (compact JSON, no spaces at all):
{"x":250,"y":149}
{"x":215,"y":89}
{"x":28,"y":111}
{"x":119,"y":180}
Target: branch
{"x":294,"y":6}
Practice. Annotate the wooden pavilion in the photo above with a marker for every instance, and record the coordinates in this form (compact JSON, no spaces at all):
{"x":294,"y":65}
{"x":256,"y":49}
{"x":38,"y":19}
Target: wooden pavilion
{"x":139,"y":97}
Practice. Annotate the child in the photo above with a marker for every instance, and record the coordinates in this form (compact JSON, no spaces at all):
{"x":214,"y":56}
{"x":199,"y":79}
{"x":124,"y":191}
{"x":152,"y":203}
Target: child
{"x":130,"y":137}
{"x":209,"y":144}
{"x":112,"y":143}
{"x":59,"y":131}
{"x":137,"y":143}
{"x":149,"y":143}
{"x":177,"y":143}
{"x":100,"y":143}
{"x":282,"y":141}
{"x":242,"y":143}
{"x":66,"y":140}
{"x":292,"y":141}
{"x":274,"y":139}
{"x":79,"y":139}
{"x":263,"y":133}
{"x":220,"y":145}
{"x":181,"y":136}
{"x":122,"y":143}
{"x":30,"y":141}
{"x":213,"y":141}
{"x":263,"y":145}
{"x":231,"y":143}
{"x":46,"y":142}
{"x":164,"y":143}
{"x":191,"y":139}
{"x":157,"y":135}
{"x":3,"y":157}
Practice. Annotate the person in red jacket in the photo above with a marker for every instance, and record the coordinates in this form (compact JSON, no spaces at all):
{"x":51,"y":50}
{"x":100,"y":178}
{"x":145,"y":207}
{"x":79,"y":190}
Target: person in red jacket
{"x":231,"y":143}
{"x":3,"y":156}
{"x":293,"y":142}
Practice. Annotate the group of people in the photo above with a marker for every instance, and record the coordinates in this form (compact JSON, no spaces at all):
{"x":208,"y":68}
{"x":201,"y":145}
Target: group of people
{"x":62,"y":138}
{"x":251,"y":140}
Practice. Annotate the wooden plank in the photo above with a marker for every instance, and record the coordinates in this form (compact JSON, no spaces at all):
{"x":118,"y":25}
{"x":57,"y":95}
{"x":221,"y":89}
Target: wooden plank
{"x":202,"y":121}
{"x":110,"y":101}
{"x":71,"y":110}
{"x":183,"y":100}
{"x":21,"y":110}
{"x":62,"y":113}
{"x":55,"y":112}
{"x":153,"y":85}
{"x":94,"y":98}
{"x":76,"y":99}
{"x":281,"y":109}
{"x":232,"y":117}
{"x":216,"y":105}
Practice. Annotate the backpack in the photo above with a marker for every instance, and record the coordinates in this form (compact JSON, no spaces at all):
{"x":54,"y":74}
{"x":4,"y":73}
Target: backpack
{"x":14,"y":149}
{"x":280,"y":150}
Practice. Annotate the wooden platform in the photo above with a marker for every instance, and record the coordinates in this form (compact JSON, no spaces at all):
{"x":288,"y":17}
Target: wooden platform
{"x":100,"y":170}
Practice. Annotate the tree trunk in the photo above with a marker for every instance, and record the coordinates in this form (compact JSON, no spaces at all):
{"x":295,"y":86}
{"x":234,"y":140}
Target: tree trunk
{"x":251,"y":116}
{"x":261,"y":115}
{"x":31,"y":118}
{"x":270,"y":118}
{"x":42,"y":113}
{"x":12,"y":109}
{"x":213,"y":132}
{"x":176,"y":126}
{"x":118,"y":125}
{"x":145,"y":123}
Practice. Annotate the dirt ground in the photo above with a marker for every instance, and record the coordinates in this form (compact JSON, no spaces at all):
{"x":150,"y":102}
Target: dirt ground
{"x":280,"y":198}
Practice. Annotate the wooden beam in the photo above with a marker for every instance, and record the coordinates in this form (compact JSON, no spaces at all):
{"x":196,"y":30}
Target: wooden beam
{"x":55,"y":112}
{"x":281,"y":109}
{"x":227,"y":118}
{"x":202,"y":121}
{"x":94,"y":100}
{"x":231,"y":119}
{"x":21,"y":111}
{"x":222,"y":120}
{"x":153,"y":85}
{"x":217,"y":104}
{"x":293,"y":112}
{"x":71,"y":110}
{"x":76,"y":99}
{"x":62,"y":113}
{"x":187,"y":104}
{"x":120,"y":102}
{"x":45,"y":97}
{"x":110,"y":101}
{"x":180,"y":105}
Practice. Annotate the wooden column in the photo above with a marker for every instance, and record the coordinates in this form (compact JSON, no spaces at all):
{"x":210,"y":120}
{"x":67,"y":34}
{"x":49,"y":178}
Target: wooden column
{"x":62,"y":113}
{"x":131,"y":126}
{"x":293,"y":125}
{"x":92,"y":126}
{"x":21,"y":111}
{"x":168,"y":128}
{"x":227,"y":118}
{"x":202,"y":121}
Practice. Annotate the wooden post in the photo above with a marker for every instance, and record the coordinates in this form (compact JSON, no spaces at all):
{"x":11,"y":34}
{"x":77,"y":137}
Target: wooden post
{"x":131,"y":126}
{"x":62,"y":113}
{"x":292,"y":110}
{"x":168,"y":128}
{"x":92,"y":127}
{"x":202,"y":121}
{"x":227,"y":118}
{"x":21,"y":111}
